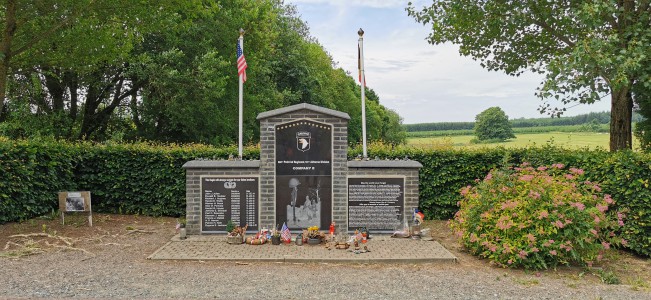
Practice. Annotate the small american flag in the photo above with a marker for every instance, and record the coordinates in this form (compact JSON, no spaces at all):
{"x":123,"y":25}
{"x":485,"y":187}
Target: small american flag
{"x":285,"y":235}
{"x":241,"y":63}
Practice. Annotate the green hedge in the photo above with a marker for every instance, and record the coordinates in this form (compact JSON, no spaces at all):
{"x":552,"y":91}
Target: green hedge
{"x":148,"y":179}
{"x":123,"y":178}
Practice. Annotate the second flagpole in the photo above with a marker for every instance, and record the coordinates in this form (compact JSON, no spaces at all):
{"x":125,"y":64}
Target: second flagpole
{"x":363,"y":85}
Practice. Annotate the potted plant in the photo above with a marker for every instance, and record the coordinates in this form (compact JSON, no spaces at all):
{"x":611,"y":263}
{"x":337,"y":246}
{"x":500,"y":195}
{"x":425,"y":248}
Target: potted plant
{"x":180,"y":226}
{"x":236,"y":233}
{"x":314,"y":236}
{"x":275,"y":237}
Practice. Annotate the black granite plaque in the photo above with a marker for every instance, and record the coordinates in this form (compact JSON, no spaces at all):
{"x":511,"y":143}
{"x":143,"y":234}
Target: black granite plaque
{"x":375,"y":203}
{"x":226,"y":198}
{"x":304,"y":174}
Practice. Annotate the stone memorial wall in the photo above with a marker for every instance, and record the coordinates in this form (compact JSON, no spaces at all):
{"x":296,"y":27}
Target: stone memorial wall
{"x":303,"y":178}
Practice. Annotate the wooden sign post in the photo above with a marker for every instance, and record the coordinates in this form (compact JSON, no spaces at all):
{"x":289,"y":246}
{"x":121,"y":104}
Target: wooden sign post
{"x":75,"y":202}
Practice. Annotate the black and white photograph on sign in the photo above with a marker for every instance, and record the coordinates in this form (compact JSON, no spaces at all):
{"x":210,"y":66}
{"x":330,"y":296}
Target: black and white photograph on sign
{"x":304,"y":201}
{"x":304,"y":174}
{"x":75,"y":204}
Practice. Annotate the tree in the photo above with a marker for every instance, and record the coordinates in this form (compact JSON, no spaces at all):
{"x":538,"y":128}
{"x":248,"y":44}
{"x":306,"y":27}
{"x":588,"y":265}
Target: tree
{"x":585,"y":49}
{"x":493,"y":124}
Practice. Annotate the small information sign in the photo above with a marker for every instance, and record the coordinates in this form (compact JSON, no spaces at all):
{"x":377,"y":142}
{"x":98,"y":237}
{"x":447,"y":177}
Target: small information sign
{"x":75,"y":202}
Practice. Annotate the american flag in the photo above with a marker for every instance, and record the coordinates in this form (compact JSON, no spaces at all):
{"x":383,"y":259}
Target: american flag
{"x":241,"y":63}
{"x":285,"y":235}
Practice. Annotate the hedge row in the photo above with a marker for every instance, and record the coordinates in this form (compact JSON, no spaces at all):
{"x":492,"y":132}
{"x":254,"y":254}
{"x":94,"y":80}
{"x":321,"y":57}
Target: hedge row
{"x":122,"y":178}
{"x":148,"y":179}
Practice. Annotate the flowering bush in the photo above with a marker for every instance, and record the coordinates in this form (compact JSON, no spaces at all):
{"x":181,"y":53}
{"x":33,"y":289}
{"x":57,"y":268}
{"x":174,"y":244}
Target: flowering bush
{"x":537,"y":218}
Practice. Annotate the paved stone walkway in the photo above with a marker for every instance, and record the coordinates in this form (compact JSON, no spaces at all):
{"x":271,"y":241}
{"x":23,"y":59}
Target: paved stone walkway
{"x":382,"y":249}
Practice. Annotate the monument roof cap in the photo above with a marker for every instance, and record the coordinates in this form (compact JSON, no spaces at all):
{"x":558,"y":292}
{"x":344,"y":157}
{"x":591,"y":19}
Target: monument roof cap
{"x":289,"y":109}
{"x":384,"y":164}
{"x":203,"y":164}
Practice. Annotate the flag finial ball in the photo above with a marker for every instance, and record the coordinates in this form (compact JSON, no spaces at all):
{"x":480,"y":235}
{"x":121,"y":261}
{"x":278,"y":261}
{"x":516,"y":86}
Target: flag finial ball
{"x":360,"y":32}
{"x":241,"y":31}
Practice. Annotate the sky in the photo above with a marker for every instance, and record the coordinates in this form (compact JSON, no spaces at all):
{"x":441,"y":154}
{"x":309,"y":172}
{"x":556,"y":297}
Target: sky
{"x":423,"y":83}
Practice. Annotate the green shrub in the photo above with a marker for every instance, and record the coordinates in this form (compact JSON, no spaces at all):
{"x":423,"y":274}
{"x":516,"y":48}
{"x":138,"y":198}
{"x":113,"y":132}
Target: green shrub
{"x":537,"y":218}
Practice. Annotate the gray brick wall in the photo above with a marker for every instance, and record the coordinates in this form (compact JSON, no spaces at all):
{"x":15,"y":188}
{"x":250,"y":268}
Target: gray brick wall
{"x":266,"y":169}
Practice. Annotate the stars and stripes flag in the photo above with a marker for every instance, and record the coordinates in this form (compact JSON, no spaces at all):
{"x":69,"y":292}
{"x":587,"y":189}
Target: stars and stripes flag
{"x":241,"y":62}
{"x":285,"y":235}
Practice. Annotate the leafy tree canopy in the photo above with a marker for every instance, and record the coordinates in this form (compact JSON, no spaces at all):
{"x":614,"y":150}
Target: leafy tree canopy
{"x":493,"y":125}
{"x":165,"y":71}
{"x":586,"y":49}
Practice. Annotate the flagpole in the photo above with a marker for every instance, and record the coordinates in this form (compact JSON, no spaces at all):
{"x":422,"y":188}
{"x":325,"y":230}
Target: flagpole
{"x":241,"y":98}
{"x":363,"y":85}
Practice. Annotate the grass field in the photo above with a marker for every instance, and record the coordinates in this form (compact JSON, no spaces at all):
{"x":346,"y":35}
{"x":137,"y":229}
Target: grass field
{"x":573,"y":140}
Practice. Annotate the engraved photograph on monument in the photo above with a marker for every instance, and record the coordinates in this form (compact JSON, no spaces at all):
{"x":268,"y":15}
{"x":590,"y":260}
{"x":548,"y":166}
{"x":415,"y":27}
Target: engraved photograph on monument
{"x":303,"y":174}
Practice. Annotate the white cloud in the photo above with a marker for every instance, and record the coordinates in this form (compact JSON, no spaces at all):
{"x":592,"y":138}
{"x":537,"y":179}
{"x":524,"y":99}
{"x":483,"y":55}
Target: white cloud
{"x":422,"y":82}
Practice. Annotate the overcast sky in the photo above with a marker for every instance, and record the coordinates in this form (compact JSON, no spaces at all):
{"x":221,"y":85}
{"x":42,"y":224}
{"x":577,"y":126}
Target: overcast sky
{"x":422,"y":82}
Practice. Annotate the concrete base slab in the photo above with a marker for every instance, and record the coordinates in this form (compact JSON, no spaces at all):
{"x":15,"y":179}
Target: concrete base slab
{"x":382,"y":249}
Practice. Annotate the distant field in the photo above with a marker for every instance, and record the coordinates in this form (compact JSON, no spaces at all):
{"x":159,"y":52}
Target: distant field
{"x":573,"y":140}
{"x":602,"y":128}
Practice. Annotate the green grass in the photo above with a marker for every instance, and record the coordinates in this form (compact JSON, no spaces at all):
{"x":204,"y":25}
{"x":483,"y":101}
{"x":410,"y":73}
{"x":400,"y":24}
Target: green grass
{"x":603,"y":128}
{"x":572,"y":140}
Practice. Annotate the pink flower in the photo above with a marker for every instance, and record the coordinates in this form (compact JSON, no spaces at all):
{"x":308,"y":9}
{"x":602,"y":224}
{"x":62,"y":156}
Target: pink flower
{"x":473,"y":238}
{"x":577,"y":171}
{"x":493,"y":248}
{"x":526,"y":177}
{"x":534,"y":249}
{"x":522,"y":254}
{"x":553,"y":252}
{"x":488,"y":177}
{"x":543,"y":214}
{"x":531,"y":238}
{"x":601,"y":207}
{"x":558,"y":166}
{"x":580,"y":206}
{"x":569,"y":176}
{"x":534,"y":195}
{"x":624,"y":242}
{"x":559,"y":224}
{"x":606,"y":245}
{"x":593,"y":231}
{"x":510,"y":261}
{"x":464,"y":191}
{"x":608,"y":199}
{"x":568,"y":221}
{"x":541,"y":168}
{"x":596,"y":219}
{"x":596,"y":188}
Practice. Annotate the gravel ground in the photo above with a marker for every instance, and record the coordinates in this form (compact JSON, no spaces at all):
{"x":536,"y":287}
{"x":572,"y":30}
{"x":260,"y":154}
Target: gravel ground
{"x":115,"y":266}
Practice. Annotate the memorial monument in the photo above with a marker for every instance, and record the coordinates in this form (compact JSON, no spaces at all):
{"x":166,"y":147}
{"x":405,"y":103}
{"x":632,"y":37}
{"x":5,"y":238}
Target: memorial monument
{"x":303,"y":178}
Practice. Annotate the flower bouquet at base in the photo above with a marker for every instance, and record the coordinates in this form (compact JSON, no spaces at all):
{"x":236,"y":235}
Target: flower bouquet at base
{"x":258,"y":239}
{"x":313,"y":235}
{"x":235,"y":233}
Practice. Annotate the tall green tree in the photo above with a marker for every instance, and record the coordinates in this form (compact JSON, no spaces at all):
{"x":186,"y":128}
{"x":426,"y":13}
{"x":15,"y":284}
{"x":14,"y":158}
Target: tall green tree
{"x":493,"y":124}
{"x":585,"y":49}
